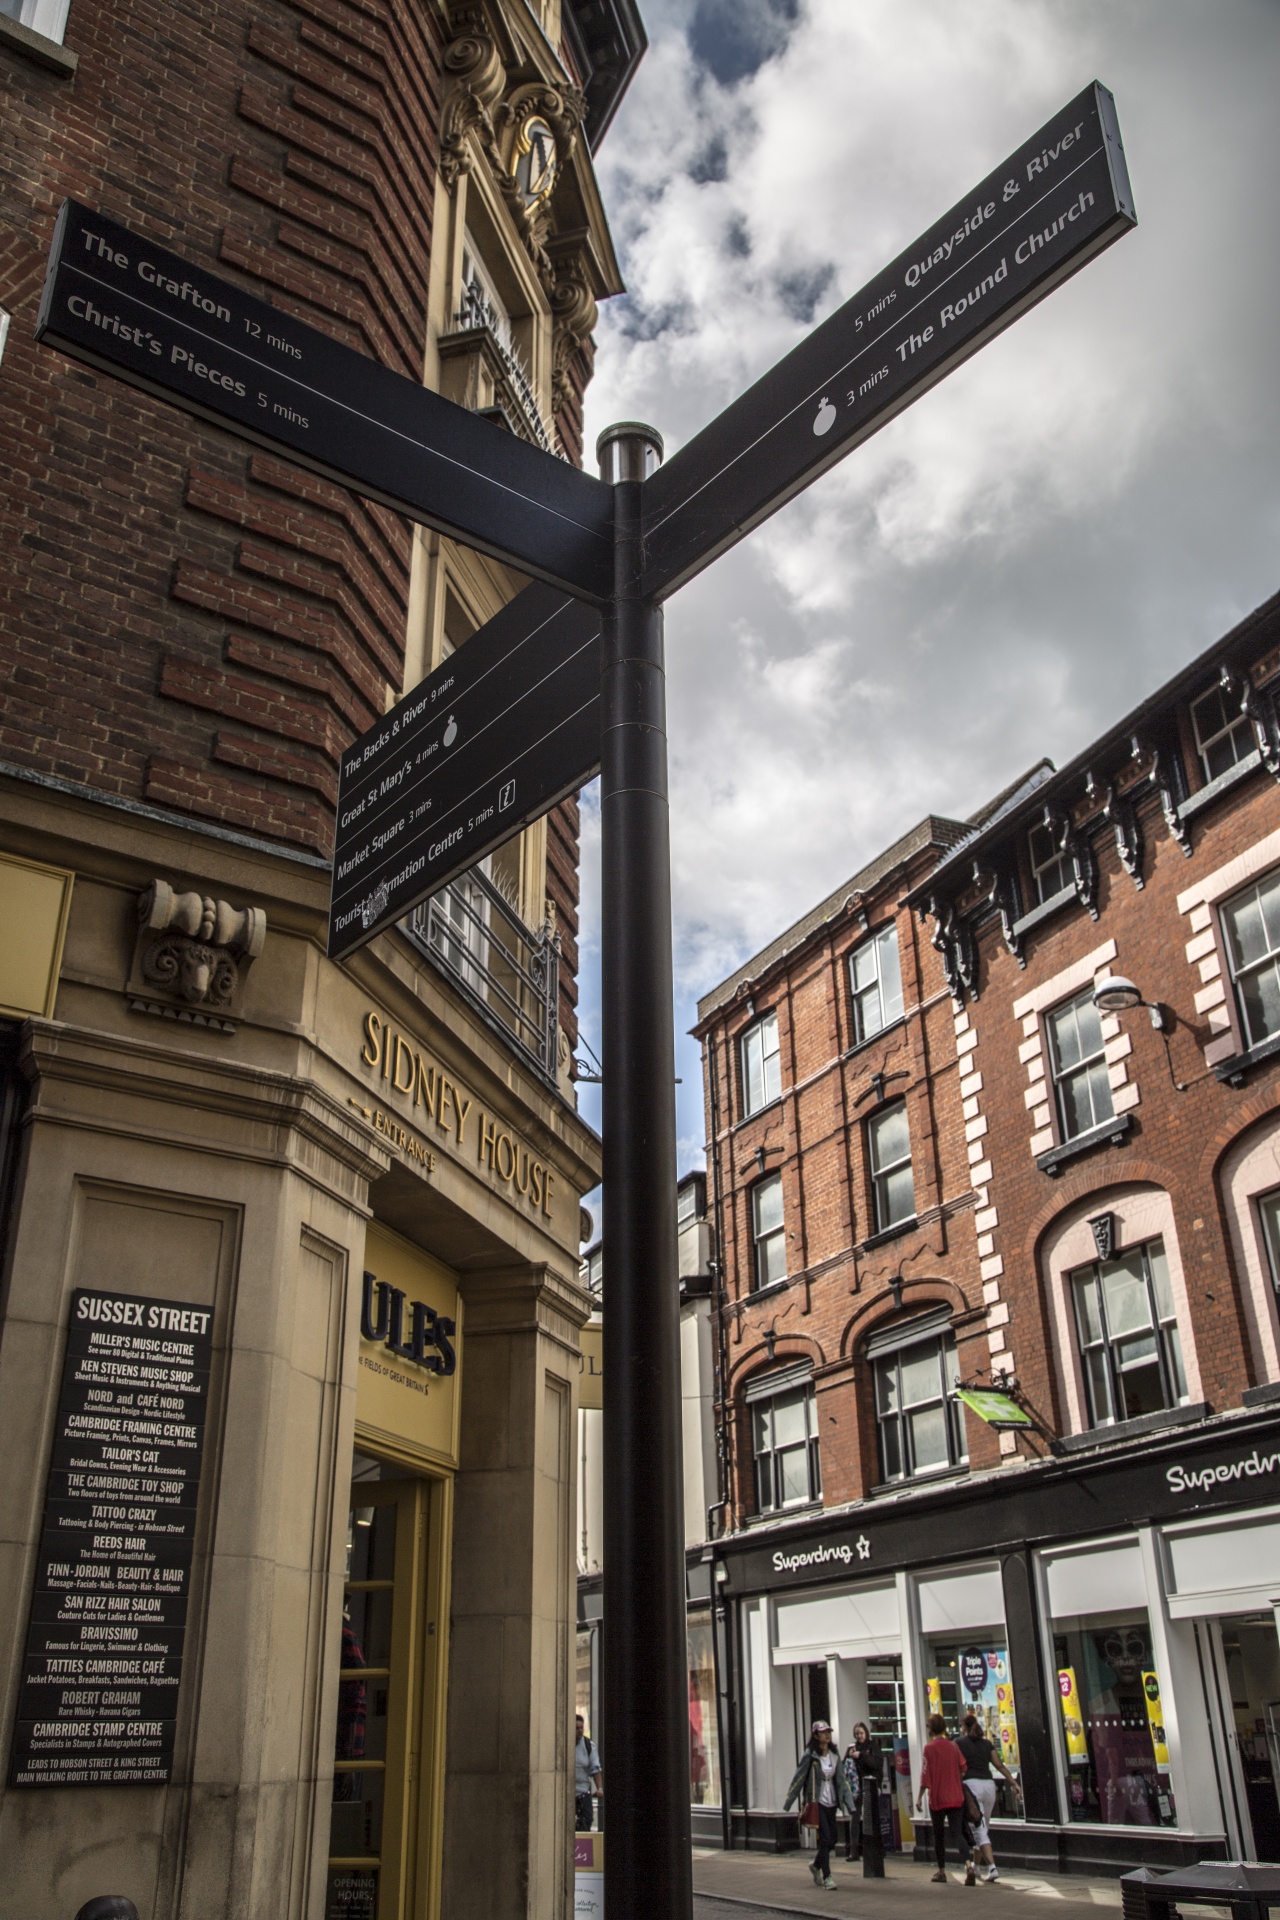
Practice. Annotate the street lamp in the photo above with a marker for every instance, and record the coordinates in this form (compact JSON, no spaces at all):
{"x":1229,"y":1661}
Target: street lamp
{"x":1114,"y":994}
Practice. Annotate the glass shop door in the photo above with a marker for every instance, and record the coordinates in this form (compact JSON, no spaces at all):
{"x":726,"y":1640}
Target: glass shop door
{"x":379,"y":1719}
{"x":1251,"y":1667}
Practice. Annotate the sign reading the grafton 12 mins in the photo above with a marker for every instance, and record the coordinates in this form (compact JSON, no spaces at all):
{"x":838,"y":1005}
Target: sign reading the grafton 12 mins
{"x":120,"y":301}
{"x":108,"y":1616}
{"x":503,"y":729}
{"x":1053,"y":204}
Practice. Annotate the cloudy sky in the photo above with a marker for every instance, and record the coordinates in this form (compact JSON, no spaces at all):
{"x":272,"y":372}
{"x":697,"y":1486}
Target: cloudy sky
{"x":1029,"y":549}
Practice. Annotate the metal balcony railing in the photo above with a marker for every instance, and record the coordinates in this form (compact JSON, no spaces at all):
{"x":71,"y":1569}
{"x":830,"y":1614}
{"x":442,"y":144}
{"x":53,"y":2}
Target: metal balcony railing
{"x":477,"y":310}
{"x":508,"y":972}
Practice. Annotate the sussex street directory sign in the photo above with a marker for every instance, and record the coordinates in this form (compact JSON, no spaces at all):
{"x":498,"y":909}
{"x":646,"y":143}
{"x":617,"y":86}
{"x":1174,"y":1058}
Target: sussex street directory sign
{"x":103,"y":1662}
{"x":521,"y":715}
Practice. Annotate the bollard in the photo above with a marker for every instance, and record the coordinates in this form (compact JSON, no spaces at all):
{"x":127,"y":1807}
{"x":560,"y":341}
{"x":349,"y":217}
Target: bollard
{"x":108,"y":1906}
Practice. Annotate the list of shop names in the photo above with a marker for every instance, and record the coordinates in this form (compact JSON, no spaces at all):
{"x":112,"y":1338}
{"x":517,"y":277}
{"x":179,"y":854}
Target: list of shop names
{"x":103,"y":1659}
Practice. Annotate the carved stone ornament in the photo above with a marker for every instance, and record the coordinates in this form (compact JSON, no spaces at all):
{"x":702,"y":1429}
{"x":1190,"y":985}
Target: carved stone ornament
{"x":192,"y":956}
{"x":527,"y":133}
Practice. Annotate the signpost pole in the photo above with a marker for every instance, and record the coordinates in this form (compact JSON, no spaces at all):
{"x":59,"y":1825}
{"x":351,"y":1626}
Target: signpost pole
{"x":645,"y":1679}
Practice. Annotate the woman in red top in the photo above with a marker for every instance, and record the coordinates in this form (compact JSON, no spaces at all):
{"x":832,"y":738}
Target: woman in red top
{"x":942,"y":1770}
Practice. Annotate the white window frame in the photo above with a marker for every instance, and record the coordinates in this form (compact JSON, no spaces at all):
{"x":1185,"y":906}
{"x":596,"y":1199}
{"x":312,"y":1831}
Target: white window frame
{"x":46,"y":17}
{"x":1238,"y":731}
{"x":1060,"y":1075}
{"x":763,"y":1391}
{"x":933,"y":1330}
{"x":871,"y":998}
{"x":1057,"y":863}
{"x":1236,"y":973}
{"x":763,"y":1239}
{"x":1164,"y":1326}
{"x":881,"y":1174}
{"x":770,"y":1058}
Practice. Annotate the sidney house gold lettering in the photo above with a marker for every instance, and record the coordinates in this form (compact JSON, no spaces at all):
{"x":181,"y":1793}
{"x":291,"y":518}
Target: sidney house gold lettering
{"x":395,"y":1059}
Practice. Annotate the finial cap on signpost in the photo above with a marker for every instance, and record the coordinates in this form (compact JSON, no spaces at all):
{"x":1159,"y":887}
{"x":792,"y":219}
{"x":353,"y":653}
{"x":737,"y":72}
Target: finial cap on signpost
{"x":628,"y":451}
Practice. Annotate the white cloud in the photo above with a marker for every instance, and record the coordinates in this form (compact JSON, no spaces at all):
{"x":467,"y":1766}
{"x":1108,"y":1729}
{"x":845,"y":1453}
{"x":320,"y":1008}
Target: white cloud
{"x":1032,"y":546}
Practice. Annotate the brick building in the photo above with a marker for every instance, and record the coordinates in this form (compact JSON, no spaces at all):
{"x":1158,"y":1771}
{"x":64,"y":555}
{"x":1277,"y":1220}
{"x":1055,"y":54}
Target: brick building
{"x":1000,"y":1117}
{"x":198,"y":1112}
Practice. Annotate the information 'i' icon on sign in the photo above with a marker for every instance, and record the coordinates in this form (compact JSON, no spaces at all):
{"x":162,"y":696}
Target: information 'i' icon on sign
{"x":507,"y":797}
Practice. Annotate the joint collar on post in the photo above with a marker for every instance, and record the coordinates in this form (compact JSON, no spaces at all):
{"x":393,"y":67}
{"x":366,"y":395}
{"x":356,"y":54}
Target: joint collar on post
{"x":628,"y":451}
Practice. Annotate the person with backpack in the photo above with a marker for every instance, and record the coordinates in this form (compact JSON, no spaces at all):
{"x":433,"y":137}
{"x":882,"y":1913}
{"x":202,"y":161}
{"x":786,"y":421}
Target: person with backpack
{"x":942,"y":1769}
{"x":820,"y":1785}
{"x":980,"y":1755}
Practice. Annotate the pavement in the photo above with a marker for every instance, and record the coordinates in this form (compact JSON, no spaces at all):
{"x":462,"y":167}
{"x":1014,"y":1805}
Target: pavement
{"x":756,"y":1886}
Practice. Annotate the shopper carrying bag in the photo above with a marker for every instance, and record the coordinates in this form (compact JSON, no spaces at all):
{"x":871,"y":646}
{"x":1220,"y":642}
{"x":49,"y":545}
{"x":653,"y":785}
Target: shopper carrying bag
{"x":820,"y":1786}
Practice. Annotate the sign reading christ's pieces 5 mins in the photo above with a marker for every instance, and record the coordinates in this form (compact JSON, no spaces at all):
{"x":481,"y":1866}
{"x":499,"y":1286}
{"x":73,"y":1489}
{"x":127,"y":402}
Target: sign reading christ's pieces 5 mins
{"x":1053,"y":204}
{"x":506,"y":727}
{"x":119,"y":301}
{"x":103,"y":1662}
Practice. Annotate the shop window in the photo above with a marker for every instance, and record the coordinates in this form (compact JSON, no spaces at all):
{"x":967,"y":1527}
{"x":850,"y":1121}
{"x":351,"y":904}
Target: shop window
{"x":784,"y":1441}
{"x":761,"y":1065}
{"x":1224,"y":735}
{"x":1113,"y":1720}
{"x":1081,"y":1082}
{"x":1252,"y":925}
{"x":893,"y":1193}
{"x":1051,"y":870}
{"x":972,"y":1676}
{"x":768,"y":1235}
{"x":919,"y":1422}
{"x":876,"y":978}
{"x":704,"y":1730}
{"x":1130,"y":1350}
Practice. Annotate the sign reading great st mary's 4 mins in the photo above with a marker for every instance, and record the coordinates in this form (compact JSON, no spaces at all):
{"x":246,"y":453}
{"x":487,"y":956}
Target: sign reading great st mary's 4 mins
{"x":509,"y":726}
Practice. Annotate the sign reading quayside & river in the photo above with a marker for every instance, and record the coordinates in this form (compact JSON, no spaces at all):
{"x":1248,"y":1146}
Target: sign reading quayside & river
{"x":103,"y":1658}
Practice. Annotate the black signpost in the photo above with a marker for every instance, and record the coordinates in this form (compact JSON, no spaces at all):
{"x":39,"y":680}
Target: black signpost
{"x":103,"y":1658}
{"x":536,"y":699}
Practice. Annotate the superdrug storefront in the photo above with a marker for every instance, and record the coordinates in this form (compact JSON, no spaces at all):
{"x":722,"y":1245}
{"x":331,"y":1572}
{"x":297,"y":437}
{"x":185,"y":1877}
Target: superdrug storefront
{"x":1111,"y":1616}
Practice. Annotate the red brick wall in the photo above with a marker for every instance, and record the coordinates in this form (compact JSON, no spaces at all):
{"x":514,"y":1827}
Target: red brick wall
{"x":191,"y":623}
{"x":986,"y":1208}
{"x":840,"y":1289}
{"x":186,"y":621}
{"x":1177,"y":1140}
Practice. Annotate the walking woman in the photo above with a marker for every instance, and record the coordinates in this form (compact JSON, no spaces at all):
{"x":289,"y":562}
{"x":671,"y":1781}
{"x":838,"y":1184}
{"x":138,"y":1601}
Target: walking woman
{"x":864,"y":1765}
{"x":942,"y":1778}
{"x":819,"y":1782}
{"x":980,"y":1755}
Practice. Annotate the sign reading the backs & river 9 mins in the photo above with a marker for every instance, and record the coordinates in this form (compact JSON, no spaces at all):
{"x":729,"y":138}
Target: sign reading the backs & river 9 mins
{"x":103,"y":1658}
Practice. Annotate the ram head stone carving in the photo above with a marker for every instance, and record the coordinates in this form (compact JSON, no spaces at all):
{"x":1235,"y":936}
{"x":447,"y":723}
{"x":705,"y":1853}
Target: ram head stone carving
{"x":192,"y":955}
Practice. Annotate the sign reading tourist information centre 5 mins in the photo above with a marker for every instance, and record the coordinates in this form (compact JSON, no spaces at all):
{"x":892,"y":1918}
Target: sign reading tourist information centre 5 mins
{"x":108,"y":1616}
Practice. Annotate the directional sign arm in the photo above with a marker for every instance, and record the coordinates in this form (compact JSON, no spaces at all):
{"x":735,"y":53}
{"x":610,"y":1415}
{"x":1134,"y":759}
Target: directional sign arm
{"x":506,"y":727}
{"x":122,"y":303}
{"x":1057,"y":201}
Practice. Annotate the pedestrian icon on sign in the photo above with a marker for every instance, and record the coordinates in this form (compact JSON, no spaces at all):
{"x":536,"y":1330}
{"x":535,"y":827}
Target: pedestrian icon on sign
{"x":507,"y":796}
